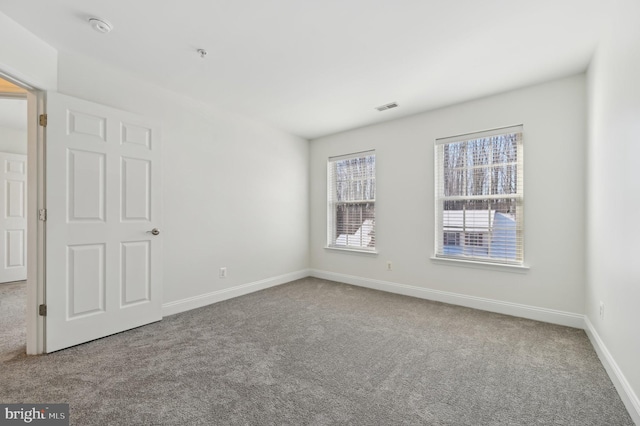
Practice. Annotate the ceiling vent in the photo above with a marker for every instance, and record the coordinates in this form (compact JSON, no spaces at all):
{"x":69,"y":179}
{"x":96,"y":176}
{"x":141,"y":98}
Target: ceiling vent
{"x":387,"y":106}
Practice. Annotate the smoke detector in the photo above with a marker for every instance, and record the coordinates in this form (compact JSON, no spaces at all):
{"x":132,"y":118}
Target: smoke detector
{"x":100,"y":25}
{"x":387,"y":106}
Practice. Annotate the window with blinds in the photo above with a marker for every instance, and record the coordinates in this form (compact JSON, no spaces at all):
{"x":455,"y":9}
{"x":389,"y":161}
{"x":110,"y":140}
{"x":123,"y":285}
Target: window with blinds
{"x":351,"y":203}
{"x":479,"y":196}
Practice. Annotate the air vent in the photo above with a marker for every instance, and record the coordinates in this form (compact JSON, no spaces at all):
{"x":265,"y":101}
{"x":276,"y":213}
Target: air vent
{"x":387,"y":106}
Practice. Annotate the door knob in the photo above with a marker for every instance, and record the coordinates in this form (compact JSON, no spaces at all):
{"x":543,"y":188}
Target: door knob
{"x":154,"y":231}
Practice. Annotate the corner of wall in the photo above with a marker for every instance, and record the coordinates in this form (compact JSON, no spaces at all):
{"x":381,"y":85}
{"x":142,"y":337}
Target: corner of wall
{"x":628,"y":396}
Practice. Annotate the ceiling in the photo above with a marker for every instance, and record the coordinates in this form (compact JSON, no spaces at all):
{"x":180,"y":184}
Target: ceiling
{"x":314,"y":67}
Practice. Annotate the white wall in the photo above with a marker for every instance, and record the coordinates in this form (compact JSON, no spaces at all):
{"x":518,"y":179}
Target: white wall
{"x":13,"y":141}
{"x":553,"y":115}
{"x":613,"y":267}
{"x":235,"y":191}
{"x":26,"y":57}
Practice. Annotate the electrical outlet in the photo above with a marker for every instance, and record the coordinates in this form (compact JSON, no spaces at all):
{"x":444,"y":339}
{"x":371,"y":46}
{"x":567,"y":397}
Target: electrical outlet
{"x":223,"y":272}
{"x":601,"y":310}
{"x":389,"y":266}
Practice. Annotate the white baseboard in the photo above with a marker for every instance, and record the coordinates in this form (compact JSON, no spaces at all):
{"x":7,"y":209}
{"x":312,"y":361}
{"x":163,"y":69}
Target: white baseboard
{"x":628,"y":396}
{"x":525,"y":311}
{"x":189,"y":303}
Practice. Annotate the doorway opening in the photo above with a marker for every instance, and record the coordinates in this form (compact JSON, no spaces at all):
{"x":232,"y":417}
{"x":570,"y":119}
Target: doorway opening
{"x":13,"y":220}
{"x":21,"y":254}
{"x":79,"y":158}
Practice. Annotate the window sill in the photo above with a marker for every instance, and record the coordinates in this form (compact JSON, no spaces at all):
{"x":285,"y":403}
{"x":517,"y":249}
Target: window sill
{"x":352,"y":250}
{"x":518,"y":269}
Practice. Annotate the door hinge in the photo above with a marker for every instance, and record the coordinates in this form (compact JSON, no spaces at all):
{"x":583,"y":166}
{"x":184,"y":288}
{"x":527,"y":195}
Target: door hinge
{"x":42,"y":214}
{"x":42,"y":310}
{"x":43,"y":120}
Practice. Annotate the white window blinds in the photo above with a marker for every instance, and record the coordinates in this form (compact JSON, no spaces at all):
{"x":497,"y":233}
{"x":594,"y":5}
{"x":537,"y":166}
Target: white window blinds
{"x":351,"y":215}
{"x":479,"y":196}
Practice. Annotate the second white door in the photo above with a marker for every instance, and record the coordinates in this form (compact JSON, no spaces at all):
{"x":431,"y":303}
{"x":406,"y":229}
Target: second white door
{"x":13,"y":217}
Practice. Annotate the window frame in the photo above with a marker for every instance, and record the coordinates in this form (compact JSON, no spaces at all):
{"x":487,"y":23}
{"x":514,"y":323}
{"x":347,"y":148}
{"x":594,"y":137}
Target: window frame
{"x":333,"y":205}
{"x":468,"y":243}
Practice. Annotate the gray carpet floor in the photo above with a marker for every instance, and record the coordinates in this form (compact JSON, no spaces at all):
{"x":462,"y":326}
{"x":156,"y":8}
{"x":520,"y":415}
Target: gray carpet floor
{"x":322,"y":353}
{"x":13,"y":326}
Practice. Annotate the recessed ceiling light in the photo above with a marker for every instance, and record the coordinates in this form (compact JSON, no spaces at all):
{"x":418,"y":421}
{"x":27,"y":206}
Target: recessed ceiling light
{"x":100,"y":25}
{"x":387,"y":106}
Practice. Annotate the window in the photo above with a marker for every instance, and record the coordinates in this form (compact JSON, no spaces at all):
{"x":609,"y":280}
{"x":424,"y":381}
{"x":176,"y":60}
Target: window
{"x":479,"y":196}
{"x":351,"y":201}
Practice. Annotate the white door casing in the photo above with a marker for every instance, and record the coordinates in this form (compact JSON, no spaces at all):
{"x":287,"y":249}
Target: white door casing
{"x":13,"y":217}
{"x":103,"y":271}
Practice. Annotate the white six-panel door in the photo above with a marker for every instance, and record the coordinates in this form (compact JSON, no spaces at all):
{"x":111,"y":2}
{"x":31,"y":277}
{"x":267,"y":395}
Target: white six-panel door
{"x":13,"y":217}
{"x":103,"y":272}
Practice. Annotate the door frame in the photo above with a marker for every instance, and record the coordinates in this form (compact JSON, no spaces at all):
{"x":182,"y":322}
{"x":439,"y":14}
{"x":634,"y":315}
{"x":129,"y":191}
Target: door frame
{"x":36,"y":185}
